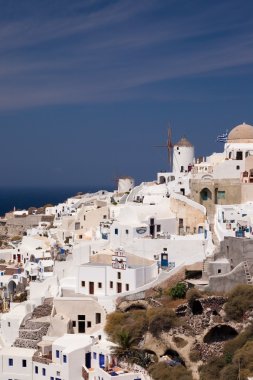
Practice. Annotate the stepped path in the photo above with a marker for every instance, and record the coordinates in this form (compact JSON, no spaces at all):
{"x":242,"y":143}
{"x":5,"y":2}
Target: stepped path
{"x":32,"y":331}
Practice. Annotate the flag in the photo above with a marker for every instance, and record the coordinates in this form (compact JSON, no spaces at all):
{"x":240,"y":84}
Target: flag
{"x":223,"y":137}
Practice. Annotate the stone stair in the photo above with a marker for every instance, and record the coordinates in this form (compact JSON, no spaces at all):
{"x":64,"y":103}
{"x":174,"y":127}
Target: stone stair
{"x":247,"y":273}
{"x":31,"y":333}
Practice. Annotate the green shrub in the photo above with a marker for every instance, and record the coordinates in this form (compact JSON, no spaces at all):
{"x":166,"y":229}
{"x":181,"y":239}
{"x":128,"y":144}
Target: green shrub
{"x":178,"y":291}
{"x":239,"y":301}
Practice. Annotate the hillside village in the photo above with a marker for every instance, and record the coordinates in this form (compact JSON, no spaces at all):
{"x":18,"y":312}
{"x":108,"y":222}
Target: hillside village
{"x":157,"y":262}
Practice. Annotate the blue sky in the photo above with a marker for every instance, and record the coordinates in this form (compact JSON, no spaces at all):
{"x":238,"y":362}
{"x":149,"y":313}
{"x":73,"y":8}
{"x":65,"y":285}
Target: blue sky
{"x":87,"y":87}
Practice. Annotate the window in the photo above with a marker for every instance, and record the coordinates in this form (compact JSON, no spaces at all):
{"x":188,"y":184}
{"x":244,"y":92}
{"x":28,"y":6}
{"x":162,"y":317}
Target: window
{"x":237,"y":167}
{"x":89,"y":324}
{"x":80,"y":236}
{"x":43,"y":371}
{"x":81,"y":317}
{"x":239,"y":155}
{"x":127,"y":232}
{"x":51,"y":378}
{"x":24,"y":363}
{"x":219,"y":270}
{"x":104,"y":216}
{"x":100,"y":285}
{"x":73,"y":323}
{"x":98,"y":318}
{"x":10,"y":362}
{"x":84,"y":217}
{"x":158,"y":228}
{"x":36,"y":369}
{"x":119,"y":275}
{"x":83,"y":283}
{"x":94,"y":355}
{"x":9,"y":324}
{"x":221,"y":194}
{"x":64,"y":358}
{"x":116,"y":231}
{"x":111,"y":284}
{"x":127,"y":287}
{"x":57,"y":354}
{"x":77,"y":226}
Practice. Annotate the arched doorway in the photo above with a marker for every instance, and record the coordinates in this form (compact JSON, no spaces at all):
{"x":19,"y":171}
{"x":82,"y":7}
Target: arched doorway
{"x":205,"y":195}
{"x":12,"y":287}
{"x":173,"y":356}
{"x":220,"y":333}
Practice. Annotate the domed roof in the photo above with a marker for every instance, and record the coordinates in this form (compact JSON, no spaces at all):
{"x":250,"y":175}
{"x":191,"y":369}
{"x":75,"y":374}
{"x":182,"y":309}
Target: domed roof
{"x":241,"y":133}
{"x":184,"y":142}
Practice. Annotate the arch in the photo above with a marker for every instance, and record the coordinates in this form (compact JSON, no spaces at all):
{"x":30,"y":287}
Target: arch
{"x":196,"y":307}
{"x":12,"y":286}
{"x":220,"y":333}
{"x":135,"y":307}
{"x":162,"y":179}
{"x":174,"y":356}
{"x":32,"y":258}
{"x":205,"y":195}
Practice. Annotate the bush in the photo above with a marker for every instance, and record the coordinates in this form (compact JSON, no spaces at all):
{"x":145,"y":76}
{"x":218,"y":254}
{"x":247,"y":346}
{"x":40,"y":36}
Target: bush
{"x":195,"y":356}
{"x":161,"y":319}
{"x":178,"y":291}
{"x":211,"y":370}
{"x":238,"y":342}
{"x":192,"y":294}
{"x":180,"y":342}
{"x":239,"y":301}
{"x":229,"y":372}
{"x":134,"y":322}
{"x":16,"y":238}
{"x":161,"y":371}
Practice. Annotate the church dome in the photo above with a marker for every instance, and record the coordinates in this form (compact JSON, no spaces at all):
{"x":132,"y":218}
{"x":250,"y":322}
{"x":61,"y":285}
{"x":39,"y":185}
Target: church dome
{"x":184,"y":142}
{"x":243,"y":133}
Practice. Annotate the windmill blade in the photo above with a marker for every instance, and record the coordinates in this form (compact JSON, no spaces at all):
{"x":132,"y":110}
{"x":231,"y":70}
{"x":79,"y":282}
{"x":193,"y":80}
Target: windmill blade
{"x":170,"y":147}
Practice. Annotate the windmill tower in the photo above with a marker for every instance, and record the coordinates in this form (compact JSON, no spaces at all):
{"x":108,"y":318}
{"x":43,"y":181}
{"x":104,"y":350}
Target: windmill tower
{"x":183,"y":156}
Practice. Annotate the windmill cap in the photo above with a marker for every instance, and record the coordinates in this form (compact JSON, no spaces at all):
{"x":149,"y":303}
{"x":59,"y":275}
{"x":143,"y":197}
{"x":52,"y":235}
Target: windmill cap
{"x":184,"y":142}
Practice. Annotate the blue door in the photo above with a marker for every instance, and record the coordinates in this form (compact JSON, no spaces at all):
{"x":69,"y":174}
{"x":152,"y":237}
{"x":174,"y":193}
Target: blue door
{"x":101,"y":360}
{"x":164,"y":260}
{"x":88,"y":360}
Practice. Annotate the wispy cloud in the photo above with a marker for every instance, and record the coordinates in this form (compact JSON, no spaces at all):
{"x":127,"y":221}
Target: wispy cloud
{"x":96,"y":51}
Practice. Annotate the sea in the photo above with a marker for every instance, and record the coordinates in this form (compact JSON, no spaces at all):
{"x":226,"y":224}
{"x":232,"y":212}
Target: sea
{"x":23,"y":198}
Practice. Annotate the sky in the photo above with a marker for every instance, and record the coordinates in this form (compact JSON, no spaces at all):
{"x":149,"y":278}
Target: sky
{"x":89,"y":87}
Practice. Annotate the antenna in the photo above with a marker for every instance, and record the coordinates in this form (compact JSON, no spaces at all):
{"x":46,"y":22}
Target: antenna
{"x":169,"y":145}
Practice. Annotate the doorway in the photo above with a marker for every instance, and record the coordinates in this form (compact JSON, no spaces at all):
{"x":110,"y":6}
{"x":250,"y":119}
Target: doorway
{"x":91,"y":287}
{"x":119,"y":287}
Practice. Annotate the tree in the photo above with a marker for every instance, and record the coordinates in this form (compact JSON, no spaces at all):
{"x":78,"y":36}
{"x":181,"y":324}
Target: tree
{"x":178,"y":291}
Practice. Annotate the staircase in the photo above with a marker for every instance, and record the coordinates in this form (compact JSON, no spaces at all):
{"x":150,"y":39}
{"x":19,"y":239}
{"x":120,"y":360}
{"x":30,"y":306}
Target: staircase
{"x":247,"y":273}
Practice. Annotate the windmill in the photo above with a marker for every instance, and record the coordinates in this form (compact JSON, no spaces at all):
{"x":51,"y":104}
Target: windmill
{"x":169,"y":146}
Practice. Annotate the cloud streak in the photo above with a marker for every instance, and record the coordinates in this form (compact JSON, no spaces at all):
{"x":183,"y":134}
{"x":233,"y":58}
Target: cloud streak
{"x":107,"y":51}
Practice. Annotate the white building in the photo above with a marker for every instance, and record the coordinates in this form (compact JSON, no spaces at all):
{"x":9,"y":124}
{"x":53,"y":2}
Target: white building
{"x":16,"y":363}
